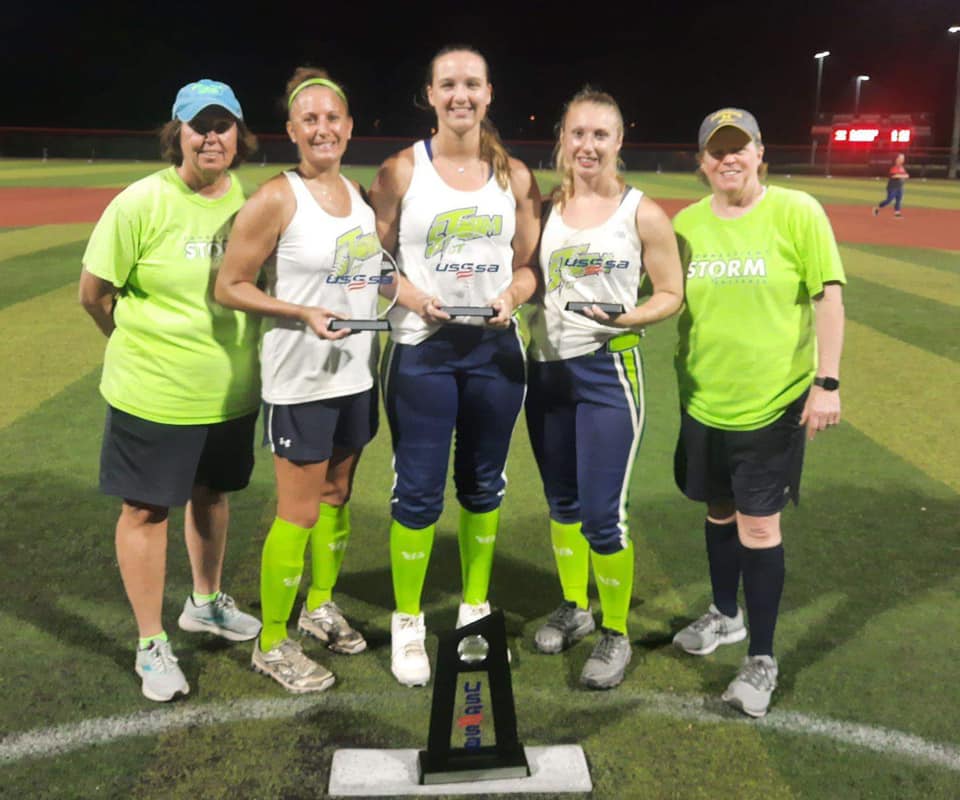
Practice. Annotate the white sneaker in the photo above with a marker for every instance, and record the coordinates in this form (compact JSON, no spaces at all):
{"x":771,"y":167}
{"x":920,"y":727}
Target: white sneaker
{"x":162,"y":677}
{"x":750,"y":691}
{"x":408,"y":655}
{"x":469,"y":614}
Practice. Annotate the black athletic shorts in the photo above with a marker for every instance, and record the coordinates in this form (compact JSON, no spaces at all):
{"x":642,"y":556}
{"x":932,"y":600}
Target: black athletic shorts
{"x":308,"y":432}
{"x":758,"y":470}
{"x":159,"y":464}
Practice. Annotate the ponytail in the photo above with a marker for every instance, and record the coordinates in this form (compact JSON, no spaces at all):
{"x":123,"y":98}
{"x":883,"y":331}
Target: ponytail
{"x":494,"y":153}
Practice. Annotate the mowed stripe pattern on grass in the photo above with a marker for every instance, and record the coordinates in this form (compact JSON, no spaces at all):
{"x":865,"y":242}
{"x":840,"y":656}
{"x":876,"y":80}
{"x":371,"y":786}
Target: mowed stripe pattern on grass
{"x":628,"y":707}
{"x":48,"y":343}
{"x":24,"y":241}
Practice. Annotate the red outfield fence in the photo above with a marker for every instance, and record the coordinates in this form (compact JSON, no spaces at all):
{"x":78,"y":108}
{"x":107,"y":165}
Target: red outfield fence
{"x":96,"y":145}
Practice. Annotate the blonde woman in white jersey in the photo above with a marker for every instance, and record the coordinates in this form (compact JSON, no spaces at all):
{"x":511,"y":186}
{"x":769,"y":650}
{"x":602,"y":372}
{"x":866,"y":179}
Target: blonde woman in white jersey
{"x":584,"y":406}
{"x":308,"y":228}
{"x":463,"y":218}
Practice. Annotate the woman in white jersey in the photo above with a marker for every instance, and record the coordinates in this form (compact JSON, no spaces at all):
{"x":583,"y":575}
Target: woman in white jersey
{"x":463,"y":219}
{"x":757,"y":370}
{"x":309,"y":228}
{"x":585,"y":407}
{"x":179,"y":374}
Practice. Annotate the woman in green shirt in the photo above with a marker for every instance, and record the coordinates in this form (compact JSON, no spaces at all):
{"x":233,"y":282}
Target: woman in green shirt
{"x":758,"y":366}
{"x":180,"y":373}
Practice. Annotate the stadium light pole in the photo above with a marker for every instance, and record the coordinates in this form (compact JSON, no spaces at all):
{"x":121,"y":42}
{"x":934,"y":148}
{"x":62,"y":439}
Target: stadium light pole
{"x":955,"y":141}
{"x":819,"y":57}
{"x":856,"y":101}
{"x":816,"y":105}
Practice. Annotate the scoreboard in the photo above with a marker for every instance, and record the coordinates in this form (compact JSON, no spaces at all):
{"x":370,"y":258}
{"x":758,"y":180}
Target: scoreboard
{"x":872,"y":135}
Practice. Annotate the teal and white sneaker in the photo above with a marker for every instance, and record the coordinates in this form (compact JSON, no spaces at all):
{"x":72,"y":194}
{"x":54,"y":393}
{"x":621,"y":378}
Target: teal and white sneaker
{"x":220,"y":617}
{"x":162,"y":677}
{"x":327,"y":623}
{"x":701,"y":637}
{"x":607,"y":664}
{"x":750,"y":691}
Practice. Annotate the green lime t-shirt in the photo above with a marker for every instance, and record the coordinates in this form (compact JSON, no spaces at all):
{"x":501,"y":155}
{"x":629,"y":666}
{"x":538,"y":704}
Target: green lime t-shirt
{"x":176,"y":355}
{"x":747,"y":344}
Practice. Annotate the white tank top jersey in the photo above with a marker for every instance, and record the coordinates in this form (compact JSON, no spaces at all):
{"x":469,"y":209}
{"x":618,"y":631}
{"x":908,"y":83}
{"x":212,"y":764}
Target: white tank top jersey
{"x":454,"y":244}
{"x":599,"y":264}
{"x":328,"y":261}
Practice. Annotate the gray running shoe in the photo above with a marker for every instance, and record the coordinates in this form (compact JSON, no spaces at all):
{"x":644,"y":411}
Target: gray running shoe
{"x":750,"y":691}
{"x":220,"y":617}
{"x":327,"y":623}
{"x":608,"y":662}
{"x":162,"y":677}
{"x":702,"y":637}
{"x":289,"y":667}
{"x":565,"y":626}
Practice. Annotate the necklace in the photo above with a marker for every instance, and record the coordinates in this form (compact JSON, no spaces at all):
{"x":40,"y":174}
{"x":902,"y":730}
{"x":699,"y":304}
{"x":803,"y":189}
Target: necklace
{"x":461,"y":169}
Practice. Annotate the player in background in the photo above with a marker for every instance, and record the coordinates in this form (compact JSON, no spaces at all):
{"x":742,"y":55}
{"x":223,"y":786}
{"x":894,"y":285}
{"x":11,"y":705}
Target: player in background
{"x":309,"y":228}
{"x":758,"y":365}
{"x":585,"y":404}
{"x":179,"y":373}
{"x":898,"y":177}
{"x":448,"y":206}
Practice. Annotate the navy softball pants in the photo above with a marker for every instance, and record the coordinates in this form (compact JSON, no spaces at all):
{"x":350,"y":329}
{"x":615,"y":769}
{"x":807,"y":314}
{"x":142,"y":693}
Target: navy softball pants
{"x":463,"y":379}
{"x":585,"y":416}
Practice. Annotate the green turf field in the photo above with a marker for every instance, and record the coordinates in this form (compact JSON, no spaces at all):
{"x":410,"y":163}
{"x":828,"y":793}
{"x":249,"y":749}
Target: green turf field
{"x":869,"y":638}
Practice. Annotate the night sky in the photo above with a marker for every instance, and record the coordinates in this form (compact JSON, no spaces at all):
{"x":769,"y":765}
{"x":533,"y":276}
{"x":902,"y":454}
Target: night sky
{"x":118,"y":65}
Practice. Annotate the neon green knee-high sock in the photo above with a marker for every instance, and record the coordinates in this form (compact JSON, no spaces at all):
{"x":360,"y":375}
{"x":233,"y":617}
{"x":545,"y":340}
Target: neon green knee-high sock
{"x":328,"y":542}
{"x":477,"y":536}
{"x":409,"y":556}
{"x":572,"y":554}
{"x":614,"y":574}
{"x":280,"y":569}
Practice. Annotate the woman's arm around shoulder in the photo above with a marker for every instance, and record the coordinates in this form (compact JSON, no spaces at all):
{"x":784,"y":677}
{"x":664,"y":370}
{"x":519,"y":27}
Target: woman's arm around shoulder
{"x":253,"y":238}
{"x":525,"y":239}
{"x":661,"y":260}
{"x":386,"y":196}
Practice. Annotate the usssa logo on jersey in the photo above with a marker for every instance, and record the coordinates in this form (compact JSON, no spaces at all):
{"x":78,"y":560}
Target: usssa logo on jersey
{"x":352,"y":252}
{"x":572,"y":263}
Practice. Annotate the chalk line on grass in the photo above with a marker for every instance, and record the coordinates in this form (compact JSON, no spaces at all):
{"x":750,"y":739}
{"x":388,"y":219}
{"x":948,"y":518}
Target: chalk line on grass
{"x":61,"y":739}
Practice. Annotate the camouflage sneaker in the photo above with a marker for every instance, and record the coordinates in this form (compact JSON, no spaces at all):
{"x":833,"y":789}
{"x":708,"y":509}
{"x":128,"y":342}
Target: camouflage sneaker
{"x":564,"y":627}
{"x":750,"y":691}
{"x":703,"y":636}
{"x":220,"y":617}
{"x":327,"y":623}
{"x":289,"y":667}
{"x":608,"y":662}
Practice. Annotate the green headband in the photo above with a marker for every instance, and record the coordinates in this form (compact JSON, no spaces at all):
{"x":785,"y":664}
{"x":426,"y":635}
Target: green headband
{"x":317,"y":82}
